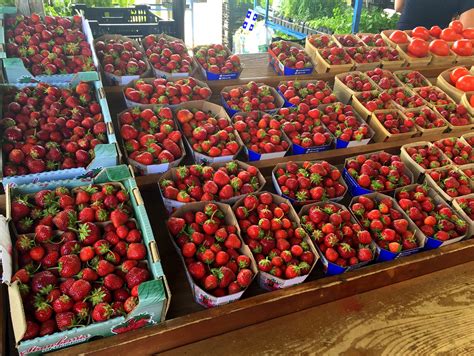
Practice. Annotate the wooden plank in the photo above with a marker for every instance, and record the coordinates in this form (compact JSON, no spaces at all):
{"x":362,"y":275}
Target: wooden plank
{"x":207,"y":323}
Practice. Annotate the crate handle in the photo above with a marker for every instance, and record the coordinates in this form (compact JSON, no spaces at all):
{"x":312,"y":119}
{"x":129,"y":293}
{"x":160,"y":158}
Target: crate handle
{"x":155,"y":255}
{"x":138,"y":196}
{"x":110,"y":128}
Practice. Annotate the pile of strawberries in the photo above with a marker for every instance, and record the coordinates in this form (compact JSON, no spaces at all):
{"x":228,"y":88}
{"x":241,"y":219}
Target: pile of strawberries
{"x":166,"y":92}
{"x":452,"y":181}
{"x":427,"y":156}
{"x":467,"y":205}
{"x":260,"y":132}
{"x":46,"y":128}
{"x":339,"y":239}
{"x":372,"y":54}
{"x":404,"y":98}
{"x":378,"y":171}
{"x":167,"y":55}
{"x":335,"y":56}
{"x":375,"y":100}
{"x":426,"y":118}
{"x":349,"y":41}
{"x":250,"y":97}
{"x":303,"y":126}
{"x":456,"y":150}
{"x":434,"y":220}
{"x":309,"y":181}
{"x":205,"y":183}
{"x":313,"y":93}
{"x":434,"y":96}
{"x":322,"y":41}
{"x":383,"y":78}
{"x":395,"y":122}
{"x":469,"y":140}
{"x":275,"y":240}
{"x":372,"y":39}
{"x":357,"y":82}
{"x":455,"y":114}
{"x":86,"y":258}
{"x":412,"y":79}
{"x":290,"y":55}
{"x":207,"y":133}
{"x":341,"y":121}
{"x":53,"y":45}
{"x":150,"y":135}
{"x":215,"y":59}
{"x":121,"y":57}
{"x":211,"y":250}
{"x":388,"y":227}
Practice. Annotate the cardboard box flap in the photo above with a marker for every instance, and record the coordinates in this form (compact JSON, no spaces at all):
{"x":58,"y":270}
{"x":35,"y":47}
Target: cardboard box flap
{"x":116,"y":173}
{"x":16,"y":309}
{"x":5,"y":250}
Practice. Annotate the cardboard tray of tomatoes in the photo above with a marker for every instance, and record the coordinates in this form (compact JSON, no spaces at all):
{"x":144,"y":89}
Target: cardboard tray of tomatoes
{"x":411,"y":60}
{"x":281,"y":69}
{"x":444,"y":83}
{"x":153,"y":295}
{"x":106,"y":155}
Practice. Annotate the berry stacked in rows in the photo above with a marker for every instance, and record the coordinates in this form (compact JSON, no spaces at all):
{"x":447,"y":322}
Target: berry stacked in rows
{"x":121,"y":57}
{"x":150,"y":136}
{"x":383,"y":78}
{"x":427,"y":156}
{"x":456,"y":150}
{"x":388,"y":227}
{"x":455,"y":114}
{"x":412,"y":79}
{"x":250,"y":97}
{"x":211,"y":249}
{"x":395,"y":122}
{"x":433,"y":219}
{"x":452,"y":181}
{"x":276,"y":241}
{"x":313,"y":93}
{"x":342,"y":122}
{"x":260,"y":132}
{"x":164,"y":92}
{"x":207,"y":133}
{"x":205,"y":183}
{"x":378,"y":171}
{"x":167,"y":55}
{"x":339,"y":239}
{"x":426,"y":118}
{"x":216,"y":59}
{"x":309,"y":181}
{"x":53,"y":45}
{"x":290,"y":55}
{"x":85,"y":259}
{"x":46,"y":128}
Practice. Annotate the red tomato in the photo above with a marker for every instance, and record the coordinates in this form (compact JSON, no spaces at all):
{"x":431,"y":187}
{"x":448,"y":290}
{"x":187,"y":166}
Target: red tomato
{"x":456,"y":25}
{"x":399,"y":37}
{"x":466,"y":83}
{"x":471,"y":101}
{"x":439,"y":47}
{"x":463,"y":47}
{"x":448,"y":34}
{"x":420,"y":32}
{"x":468,"y":33}
{"x":457,"y":73}
{"x":418,"y":47}
{"x":435,"y":31}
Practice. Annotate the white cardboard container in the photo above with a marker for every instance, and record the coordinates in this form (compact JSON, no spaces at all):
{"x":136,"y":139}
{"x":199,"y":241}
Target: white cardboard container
{"x":433,"y":185}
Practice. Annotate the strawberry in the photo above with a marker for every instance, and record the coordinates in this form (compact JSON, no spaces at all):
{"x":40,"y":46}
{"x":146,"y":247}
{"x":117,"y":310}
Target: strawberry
{"x":290,"y":55}
{"x":32,"y":330}
{"x":135,"y":276}
{"x":217,"y":59}
{"x":167,"y":55}
{"x":452,"y":181}
{"x":455,"y":114}
{"x":65,"y":320}
{"x":412,"y":79}
{"x":383,"y":78}
{"x":250,"y":97}
{"x":121,"y":57}
{"x":335,"y":56}
{"x":313,"y":93}
{"x":457,"y":151}
{"x":434,"y":96}
{"x":427,"y":156}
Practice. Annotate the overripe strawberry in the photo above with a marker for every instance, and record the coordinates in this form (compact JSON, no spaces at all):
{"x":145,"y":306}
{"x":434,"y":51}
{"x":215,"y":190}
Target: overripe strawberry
{"x":455,"y":114}
{"x":383,"y":78}
{"x":322,"y":41}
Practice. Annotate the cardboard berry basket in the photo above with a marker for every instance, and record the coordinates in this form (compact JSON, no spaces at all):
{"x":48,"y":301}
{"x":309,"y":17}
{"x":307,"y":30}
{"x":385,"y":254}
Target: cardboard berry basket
{"x":312,"y":50}
{"x":16,"y":72}
{"x":391,"y":65}
{"x":466,"y":137}
{"x":331,"y":268}
{"x":216,"y":76}
{"x":433,"y":131}
{"x":466,"y":60}
{"x":433,"y":185}
{"x":131,"y":84}
{"x":410,"y":60}
{"x":343,"y":92}
{"x":430,"y":241}
{"x":202,"y":297}
{"x":382,"y":134}
{"x":173,"y":75}
{"x":279,"y":102}
{"x":355,"y":189}
{"x":280,"y":69}
{"x":465,"y":100}
{"x":154,"y":295}
{"x":256,"y":156}
{"x":171,"y":205}
{"x":112,"y":79}
{"x":152,"y":168}
{"x":287,"y":104}
{"x":359,"y":36}
{"x":296,"y":202}
{"x":322,"y":66}
{"x":300,"y":150}
{"x":105,"y":155}
{"x":444,"y":83}
{"x":443,"y":60}
{"x":426,"y":83}
{"x":470,"y":223}
{"x":386,"y":255}
{"x":266,"y":280}
{"x":359,"y":107}
{"x":458,"y":130}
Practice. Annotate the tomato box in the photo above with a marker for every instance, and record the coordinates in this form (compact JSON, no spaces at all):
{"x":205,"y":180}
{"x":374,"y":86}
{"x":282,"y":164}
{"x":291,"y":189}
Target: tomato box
{"x":217,"y":76}
{"x":441,"y":190}
{"x":266,"y":280}
{"x":106,"y":155}
{"x":410,"y":60}
{"x":386,"y":255}
{"x":16,"y":72}
{"x":466,"y":101}
{"x":382,"y":134}
{"x":430,"y":241}
{"x":386,"y":36}
{"x":216,"y":111}
{"x":444,"y":83}
{"x":343,"y":92}
{"x":281,"y":69}
{"x":462,"y":213}
{"x":331,"y":268}
{"x":171,"y":174}
{"x":111,"y":78}
{"x":153,"y":295}
{"x":201,"y":296}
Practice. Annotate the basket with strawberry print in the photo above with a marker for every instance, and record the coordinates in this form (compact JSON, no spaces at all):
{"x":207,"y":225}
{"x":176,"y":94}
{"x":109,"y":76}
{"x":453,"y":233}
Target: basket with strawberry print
{"x":278,"y":57}
{"x":339,"y":253}
{"x":449,"y":182}
{"x":394,"y":235}
{"x":144,"y":274}
{"x":384,"y":133}
{"x":181,"y":185}
{"x":432,"y":216}
{"x":206,"y":59}
{"x":213,"y":281}
{"x":350,"y":83}
{"x":464,"y":207}
{"x":308,"y":182}
{"x":277,"y":217}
